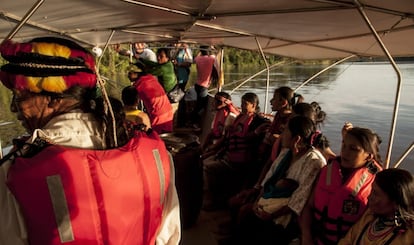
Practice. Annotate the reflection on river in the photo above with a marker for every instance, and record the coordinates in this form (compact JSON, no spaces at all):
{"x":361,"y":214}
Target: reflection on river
{"x":362,"y":93}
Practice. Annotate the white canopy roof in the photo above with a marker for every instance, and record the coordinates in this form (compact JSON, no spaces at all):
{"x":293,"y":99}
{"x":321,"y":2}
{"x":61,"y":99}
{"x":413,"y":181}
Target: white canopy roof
{"x":303,"y":29}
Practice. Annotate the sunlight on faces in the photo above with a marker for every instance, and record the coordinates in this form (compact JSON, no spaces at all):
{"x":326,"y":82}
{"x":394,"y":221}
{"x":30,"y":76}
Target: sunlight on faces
{"x":380,"y":203}
{"x":353,"y":154}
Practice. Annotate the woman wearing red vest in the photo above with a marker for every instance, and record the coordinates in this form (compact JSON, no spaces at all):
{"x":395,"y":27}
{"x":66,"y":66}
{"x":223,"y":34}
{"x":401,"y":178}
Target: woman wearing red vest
{"x":341,"y":193}
{"x":224,"y":116}
{"x":227,"y":171}
{"x":79,"y":178}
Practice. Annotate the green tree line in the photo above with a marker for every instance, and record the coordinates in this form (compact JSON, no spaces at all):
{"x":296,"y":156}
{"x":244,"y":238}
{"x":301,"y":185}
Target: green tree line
{"x":112,"y":62}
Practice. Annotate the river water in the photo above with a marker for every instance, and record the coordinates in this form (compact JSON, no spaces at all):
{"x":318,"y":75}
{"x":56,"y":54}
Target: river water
{"x":361,"y":93}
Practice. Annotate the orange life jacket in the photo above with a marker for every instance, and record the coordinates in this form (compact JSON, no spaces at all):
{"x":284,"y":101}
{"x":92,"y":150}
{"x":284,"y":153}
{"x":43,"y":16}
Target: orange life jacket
{"x":219,"y":123}
{"x":337,"y":205}
{"x":80,"y":196}
{"x":239,"y":147}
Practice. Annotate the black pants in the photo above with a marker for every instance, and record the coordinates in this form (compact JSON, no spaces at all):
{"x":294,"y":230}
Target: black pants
{"x":202,"y":100}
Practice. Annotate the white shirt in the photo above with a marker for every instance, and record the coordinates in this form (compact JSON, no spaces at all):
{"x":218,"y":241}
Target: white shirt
{"x":304,"y":171}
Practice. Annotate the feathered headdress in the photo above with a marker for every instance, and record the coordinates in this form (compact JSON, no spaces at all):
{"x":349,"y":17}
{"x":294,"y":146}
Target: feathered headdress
{"x":47,"y":64}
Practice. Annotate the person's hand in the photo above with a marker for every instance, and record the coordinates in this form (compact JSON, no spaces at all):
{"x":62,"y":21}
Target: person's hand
{"x":347,"y":126}
{"x":263,"y":215}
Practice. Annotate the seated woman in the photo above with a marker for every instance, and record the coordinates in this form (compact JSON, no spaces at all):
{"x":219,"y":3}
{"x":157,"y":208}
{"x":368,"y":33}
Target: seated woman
{"x":390,"y":215}
{"x":319,"y":141}
{"x":284,"y":98}
{"x":226,"y":172}
{"x":224,"y":116}
{"x":293,"y":173}
{"x":341,"y":192}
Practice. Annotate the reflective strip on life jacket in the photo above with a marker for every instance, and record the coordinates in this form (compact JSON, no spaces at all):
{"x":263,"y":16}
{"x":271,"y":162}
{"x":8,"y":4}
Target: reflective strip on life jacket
{"x":60,"y":208}
{"x":239,"y":146}
{"x":337,"y":205}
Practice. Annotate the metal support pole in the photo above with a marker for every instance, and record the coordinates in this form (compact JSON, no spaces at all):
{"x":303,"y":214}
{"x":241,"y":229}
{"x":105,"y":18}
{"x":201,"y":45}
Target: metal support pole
{"x":268,"y":73}
{"x":322,"y":71}
{"x":399,"y":82}
{"x":409,"y":149}
{"x":24,"y":20}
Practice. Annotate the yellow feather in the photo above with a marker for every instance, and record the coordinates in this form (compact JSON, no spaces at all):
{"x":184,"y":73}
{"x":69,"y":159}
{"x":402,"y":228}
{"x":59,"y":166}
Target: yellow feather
{"x":49,"y":84}
{"x":54,"y":84}
{"x":51,"y":49}
{"x":32,"y":84}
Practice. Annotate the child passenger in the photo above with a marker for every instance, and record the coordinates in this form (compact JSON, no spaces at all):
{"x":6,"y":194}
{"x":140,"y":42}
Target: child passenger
{"x":134,"y":116}
{"x":341,"y":192}
{"x":319,"y":141}
{"x":293,"y":172}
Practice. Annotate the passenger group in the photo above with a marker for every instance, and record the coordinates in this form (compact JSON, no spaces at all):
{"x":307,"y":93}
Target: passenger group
{"x":104,"y":176}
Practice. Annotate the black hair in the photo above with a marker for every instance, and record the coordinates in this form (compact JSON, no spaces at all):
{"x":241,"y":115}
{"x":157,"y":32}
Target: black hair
{"x":312,"y":110}
{"x":224,"y":95}
{"x":252,"y":98}
{"x":205,"y":50}
{"x":302,"y":126}
{"x":166,"y":51}
{"x":90,"y":100}
{"x":129,"y":96}
{"x":120,"y":122}
{"x":398,"y":185}
{"x":320,"y":114}
{"x":289,"y":94}
{"x":369,"y":140}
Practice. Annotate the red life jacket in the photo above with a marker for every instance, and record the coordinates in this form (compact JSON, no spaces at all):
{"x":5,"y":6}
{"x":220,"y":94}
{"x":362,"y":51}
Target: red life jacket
{"x":239,"y":147}
{"x":337,"y":205}
{"x":79,"y":196}
{"x":156,"y":103}
{"x":219,"y":122}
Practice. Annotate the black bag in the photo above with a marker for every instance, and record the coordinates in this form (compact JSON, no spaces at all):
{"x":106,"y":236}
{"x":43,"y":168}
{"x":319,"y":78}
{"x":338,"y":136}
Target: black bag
{"x":176,"y":94}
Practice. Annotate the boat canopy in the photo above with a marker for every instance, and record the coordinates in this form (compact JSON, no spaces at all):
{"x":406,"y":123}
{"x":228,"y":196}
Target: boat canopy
{"x":301,"y":29}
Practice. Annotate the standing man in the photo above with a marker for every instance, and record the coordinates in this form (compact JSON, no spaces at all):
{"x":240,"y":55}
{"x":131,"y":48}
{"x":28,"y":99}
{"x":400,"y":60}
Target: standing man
{"x":205,"y":64}
{"x":74,"y":180}
{"x":182,"y":62}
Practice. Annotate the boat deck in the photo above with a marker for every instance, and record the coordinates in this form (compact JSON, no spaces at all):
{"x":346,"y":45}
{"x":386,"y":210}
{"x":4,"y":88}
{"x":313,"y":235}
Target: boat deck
{"x":199,"y":234}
